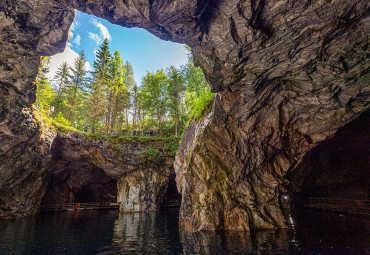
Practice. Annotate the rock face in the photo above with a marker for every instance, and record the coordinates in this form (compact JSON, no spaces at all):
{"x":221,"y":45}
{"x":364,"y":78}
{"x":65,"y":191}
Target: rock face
{"x":28,"y":30}
{"x":142,"y":191}
{"x":23,"y":164}
{"x":288,"y":75}
{"x":77,"y":173}
{"x":338,"y":167}
{"x":83,"y":170}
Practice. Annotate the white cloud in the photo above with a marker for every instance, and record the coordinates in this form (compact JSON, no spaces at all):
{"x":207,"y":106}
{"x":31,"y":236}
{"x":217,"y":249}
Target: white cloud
{"x":87,"y":66}
{"x":70,"y":34}
{"x":96,"y":38}
{"x":103,"y":29}
{"x":68,"y":56}
{"x":77,"y":40}
{"x":74,"y":25}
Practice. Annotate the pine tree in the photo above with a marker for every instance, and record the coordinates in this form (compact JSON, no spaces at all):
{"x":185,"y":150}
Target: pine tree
{"x":44,"y":94}
{"x":98,"y":85}
{"x":135,"y":104}
{"x":76,"y":87}
{"x":61,"y":80}
{"x":115,"y":91}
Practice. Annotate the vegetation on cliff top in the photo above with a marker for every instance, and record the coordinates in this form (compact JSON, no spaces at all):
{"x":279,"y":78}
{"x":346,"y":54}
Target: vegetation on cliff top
{"x":107,"y":104}
{"x":49,"y":125}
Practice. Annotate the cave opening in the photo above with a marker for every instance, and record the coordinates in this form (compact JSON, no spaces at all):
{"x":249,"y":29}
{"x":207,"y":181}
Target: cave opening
{"x":97,"y":192}
{"x":75,"y":177}
{"x":172,"y":198}
{"x":79,"y":182}
{"x":110,"y":80}
{"x":144,"y":75}
{"x":337,"y":169}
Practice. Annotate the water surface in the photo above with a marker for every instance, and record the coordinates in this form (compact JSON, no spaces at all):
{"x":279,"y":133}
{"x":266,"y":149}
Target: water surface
{"x":107,"y":232}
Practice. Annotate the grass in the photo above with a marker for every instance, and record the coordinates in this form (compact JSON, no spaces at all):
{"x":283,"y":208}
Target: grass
{"x":51,"y":123}
{"x":150,"y":153}
{"x":169,"y":144}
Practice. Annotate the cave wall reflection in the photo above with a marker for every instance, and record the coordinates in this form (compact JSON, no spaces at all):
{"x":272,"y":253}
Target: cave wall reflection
{"x":234,"y":241}
{"x":158,"y":233}
{"x":147,"y":233}
{"x":108,"y":232}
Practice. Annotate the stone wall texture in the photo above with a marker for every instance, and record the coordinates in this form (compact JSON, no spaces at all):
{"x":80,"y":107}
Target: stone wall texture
{"x":82,"y":170}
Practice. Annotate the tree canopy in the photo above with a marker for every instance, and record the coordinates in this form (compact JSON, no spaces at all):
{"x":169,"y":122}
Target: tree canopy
{"x":108,"y":101}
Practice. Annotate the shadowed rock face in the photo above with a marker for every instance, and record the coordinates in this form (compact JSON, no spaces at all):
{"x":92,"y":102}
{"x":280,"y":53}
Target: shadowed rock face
{"x":77,"y":174}
{"x":338,"y":167}
{"x":83,"y":170}
{"x":288,"y":75}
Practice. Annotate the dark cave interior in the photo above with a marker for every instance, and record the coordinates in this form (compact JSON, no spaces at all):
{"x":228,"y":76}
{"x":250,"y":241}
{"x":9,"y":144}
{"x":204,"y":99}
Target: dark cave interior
{"x":172,"y":197}
{"x":338,"y":167}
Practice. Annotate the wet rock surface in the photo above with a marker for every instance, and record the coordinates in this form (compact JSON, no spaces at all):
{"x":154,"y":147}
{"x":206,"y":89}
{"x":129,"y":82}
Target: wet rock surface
{"x":288,"y":75}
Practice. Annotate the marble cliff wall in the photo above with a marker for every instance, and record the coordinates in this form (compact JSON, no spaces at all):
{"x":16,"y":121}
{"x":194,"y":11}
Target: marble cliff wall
{"x":288,"y":75}
{"x":85,"y":170}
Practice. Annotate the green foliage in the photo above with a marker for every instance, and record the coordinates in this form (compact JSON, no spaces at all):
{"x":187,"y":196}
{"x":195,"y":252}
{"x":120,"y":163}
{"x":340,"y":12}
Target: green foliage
{"x":175,"y":88}
{"x":149,"y":154}
{"x":154,"y":95}
{"x":61,"y":120}
{"x":172,"y":148}
{"x":61,"y":82}
{"x":100,"y":80}
{"x":109,"y":105}
{"x":75,"y":89}
{"x":198,"y":94}
{"x":45,"y":93}
{"x":116,"y":92}
{"x":199,"y":104}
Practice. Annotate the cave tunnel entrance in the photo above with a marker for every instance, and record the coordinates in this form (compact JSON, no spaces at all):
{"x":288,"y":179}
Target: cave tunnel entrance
{"x":79,"y":182}
{"x":75,"y":178}
{"x":97,"y":192}
{"x":172,"y":198}
{"x":338,"y":168}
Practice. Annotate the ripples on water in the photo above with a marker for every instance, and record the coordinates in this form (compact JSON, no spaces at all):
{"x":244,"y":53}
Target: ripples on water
{"x":107,"y":232}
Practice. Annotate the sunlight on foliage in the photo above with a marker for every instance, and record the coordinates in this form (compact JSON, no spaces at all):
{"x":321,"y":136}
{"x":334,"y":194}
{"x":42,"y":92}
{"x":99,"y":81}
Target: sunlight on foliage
{"x":106,"y":103}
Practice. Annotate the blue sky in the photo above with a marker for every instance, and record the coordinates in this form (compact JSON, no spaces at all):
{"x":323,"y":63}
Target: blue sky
{"x":145,"y":51}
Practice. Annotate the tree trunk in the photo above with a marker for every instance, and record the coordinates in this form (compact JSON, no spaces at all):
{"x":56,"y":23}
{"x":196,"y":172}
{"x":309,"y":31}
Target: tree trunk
{"x":176,"y":121}
{"x":72,"y":105}
{"x":127,"y":118}
{"x":159,"y":125}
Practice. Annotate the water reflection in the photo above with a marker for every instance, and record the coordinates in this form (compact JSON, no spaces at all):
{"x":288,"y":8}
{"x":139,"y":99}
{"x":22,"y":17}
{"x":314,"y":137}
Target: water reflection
{"x":149,"y":233}
{"x":107,"y":232}
{"x":260,"y":242}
